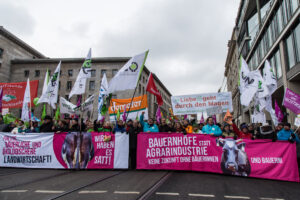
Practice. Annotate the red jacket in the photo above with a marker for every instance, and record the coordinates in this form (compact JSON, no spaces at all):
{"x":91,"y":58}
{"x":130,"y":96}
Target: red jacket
{"x":241,"y":134}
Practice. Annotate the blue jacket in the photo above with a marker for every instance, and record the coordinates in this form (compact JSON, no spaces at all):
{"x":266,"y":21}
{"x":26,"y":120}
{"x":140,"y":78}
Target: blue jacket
{"x":147,"y":127}
{"x":285,"y":135}
{"x":207,"y":129}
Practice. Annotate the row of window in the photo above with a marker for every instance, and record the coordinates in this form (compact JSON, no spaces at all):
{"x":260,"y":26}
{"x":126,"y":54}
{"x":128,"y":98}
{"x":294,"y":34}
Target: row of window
{"x":92,"y":85}
{"x":272,"y":31}
{"x":37,"y":73}
{"x":293,"y":46}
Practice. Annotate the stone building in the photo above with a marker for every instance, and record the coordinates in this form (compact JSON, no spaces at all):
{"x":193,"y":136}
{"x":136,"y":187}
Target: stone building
{"x":266,"y":30}
{"x":33,"y":65}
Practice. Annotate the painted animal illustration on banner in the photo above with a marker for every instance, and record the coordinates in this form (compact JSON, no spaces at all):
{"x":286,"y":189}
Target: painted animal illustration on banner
{"x":77,"y":150}
{"x":234,"y":159}
{"x":86,"y":150}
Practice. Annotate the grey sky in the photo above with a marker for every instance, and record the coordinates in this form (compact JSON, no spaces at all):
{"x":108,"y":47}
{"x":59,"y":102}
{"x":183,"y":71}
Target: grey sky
{"x":187,"y":38}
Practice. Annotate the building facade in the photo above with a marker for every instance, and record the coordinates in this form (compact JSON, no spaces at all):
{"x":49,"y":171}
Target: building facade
{"x":265,"y":30}
{"x":34,"y":66}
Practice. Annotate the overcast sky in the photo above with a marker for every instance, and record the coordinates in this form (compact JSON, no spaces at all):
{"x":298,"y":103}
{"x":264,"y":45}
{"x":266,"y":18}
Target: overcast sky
{"x":187,"y":39}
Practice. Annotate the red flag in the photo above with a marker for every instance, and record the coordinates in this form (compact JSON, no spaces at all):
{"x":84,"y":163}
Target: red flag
{"x":151,"y":87}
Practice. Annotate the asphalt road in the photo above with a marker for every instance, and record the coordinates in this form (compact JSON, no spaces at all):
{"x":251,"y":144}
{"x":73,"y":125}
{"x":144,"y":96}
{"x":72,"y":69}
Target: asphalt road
{"x":136,"y":184}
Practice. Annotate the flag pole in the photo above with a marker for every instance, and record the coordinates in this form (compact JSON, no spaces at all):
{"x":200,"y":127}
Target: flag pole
{"x":131,"y":102}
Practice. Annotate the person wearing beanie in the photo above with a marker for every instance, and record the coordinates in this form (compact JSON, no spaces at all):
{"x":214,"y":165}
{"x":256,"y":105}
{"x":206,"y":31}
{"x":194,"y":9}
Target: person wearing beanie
{"x":227,"y":132}
{"x":243,"y":133}
{"x":286,"y":134}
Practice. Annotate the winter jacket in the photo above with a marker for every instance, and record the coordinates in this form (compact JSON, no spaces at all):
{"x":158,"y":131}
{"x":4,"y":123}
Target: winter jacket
{"x":285,"y":135}
{"x":188,"y":129}
{"x":147,"y":127}
{"x":165,"y":128}
{"x":241,"y":134}
{"x":228,"y":134}
{"x":208,"y":129}
{"x":46,"y":127}
{"x":133,"y":132}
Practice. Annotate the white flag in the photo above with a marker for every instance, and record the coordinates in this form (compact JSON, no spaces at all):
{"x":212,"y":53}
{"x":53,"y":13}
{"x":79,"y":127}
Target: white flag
{"x":46,"y":81}
{"x":66,"y":106}
{"x":270,"y":78}
{"x":262,"y":90}
{"x":128,"y":76}
{"x":270,"y":109}
{"x":103,"y":93}
{"x":258,"y":115}
{"x":85,"y":73}
{"x":248,"y":83}
{"x":51,"y":94}
{"x":86,"y":106}
{"x":26,"y":113}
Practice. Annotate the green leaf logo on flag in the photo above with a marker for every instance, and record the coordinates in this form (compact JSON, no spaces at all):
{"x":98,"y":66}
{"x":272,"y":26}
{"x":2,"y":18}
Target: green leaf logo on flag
{"x":87,"y":64}
{"x":133,"y":67}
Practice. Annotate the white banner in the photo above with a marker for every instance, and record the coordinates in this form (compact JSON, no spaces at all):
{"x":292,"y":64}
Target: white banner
{"x":197,"y":103}
{"x":49,"y":150}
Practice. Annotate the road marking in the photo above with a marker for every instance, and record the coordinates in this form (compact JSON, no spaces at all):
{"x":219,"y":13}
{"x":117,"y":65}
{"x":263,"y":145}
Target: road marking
{"x":236,"y":197}
{"x":267,"y":198}
{"x":92,"y":191}
{"x":16,"y":191}
{"x":167,"y":193}
{"x":201,"y":195}
{"x":49,"y":191}
{"x":126,"y":192}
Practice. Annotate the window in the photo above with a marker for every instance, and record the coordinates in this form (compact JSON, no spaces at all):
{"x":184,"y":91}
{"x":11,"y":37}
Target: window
{"x":294,"y":5}
{"x":279,"y":20}
{"x":297,"y":41}
{"x":93,"y":73}
{"x":92,"y":85}
{"x":26,"y":73}
{"x":114,"y":72}
{"x":290,"y":51}
{"x":103,"y":71}
{"x":37,"y":73}
{"x":70,"y":72}
{"x":69,"y":85}
{"x":1,"y":52}
{"x":278,"y":64}
{"x":284,"y":13}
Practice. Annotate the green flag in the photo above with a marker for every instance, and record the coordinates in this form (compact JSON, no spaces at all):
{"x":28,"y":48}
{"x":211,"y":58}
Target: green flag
{"x":9,"y":118}
{"x":57,"y":114}
{"x":118,"y":115}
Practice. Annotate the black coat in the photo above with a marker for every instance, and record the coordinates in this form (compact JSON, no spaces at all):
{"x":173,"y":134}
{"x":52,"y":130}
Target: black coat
{"x":133,"y":131}
{"x":46,"y":128}
{"x":165,"y":128}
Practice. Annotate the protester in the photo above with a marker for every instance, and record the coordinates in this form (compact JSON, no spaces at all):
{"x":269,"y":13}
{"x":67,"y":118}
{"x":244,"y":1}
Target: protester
{"x":9,"y":127}
{"x":47,"y":125}
{"x":211,"y":129}
{"x":120,"y":127}
{"x":187,"y":127}
{"x":201,"y":125}
{"x":244,"y":133}
{"x":106,"y":127}
{"x":75,"y":125}
{"x":150,"y":126}
{"x":133,"y":130}
{"x":227,"y":132}
{"x":196,"y":129}
{"x":34,"y":128}
{"x":164,"y":127}
{"x":61,"y":127}
{"x":279,"y":127}
{"x":178,"y":128}
{"x":251,"y":129}
{"x":266,"y":132}
{"x":286,"y":134}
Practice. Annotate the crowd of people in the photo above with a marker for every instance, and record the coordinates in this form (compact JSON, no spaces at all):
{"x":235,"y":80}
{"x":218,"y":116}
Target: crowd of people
{"x":282,"y":132}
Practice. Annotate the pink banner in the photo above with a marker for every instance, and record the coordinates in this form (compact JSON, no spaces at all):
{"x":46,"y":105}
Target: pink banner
{"x":253,"y":158}
{"x":90,"y":150}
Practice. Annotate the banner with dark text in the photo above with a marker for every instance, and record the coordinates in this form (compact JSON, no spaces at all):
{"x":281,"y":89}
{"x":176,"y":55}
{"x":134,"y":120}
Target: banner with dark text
{"x":197,"y":152}
{"x":65,"y":150}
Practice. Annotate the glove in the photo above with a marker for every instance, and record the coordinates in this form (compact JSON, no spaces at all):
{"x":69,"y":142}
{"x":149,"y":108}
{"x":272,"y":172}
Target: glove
{"x":235,"y":137}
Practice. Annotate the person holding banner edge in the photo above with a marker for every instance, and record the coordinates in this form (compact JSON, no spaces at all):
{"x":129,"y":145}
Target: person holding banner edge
{"x":211,"y":129}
